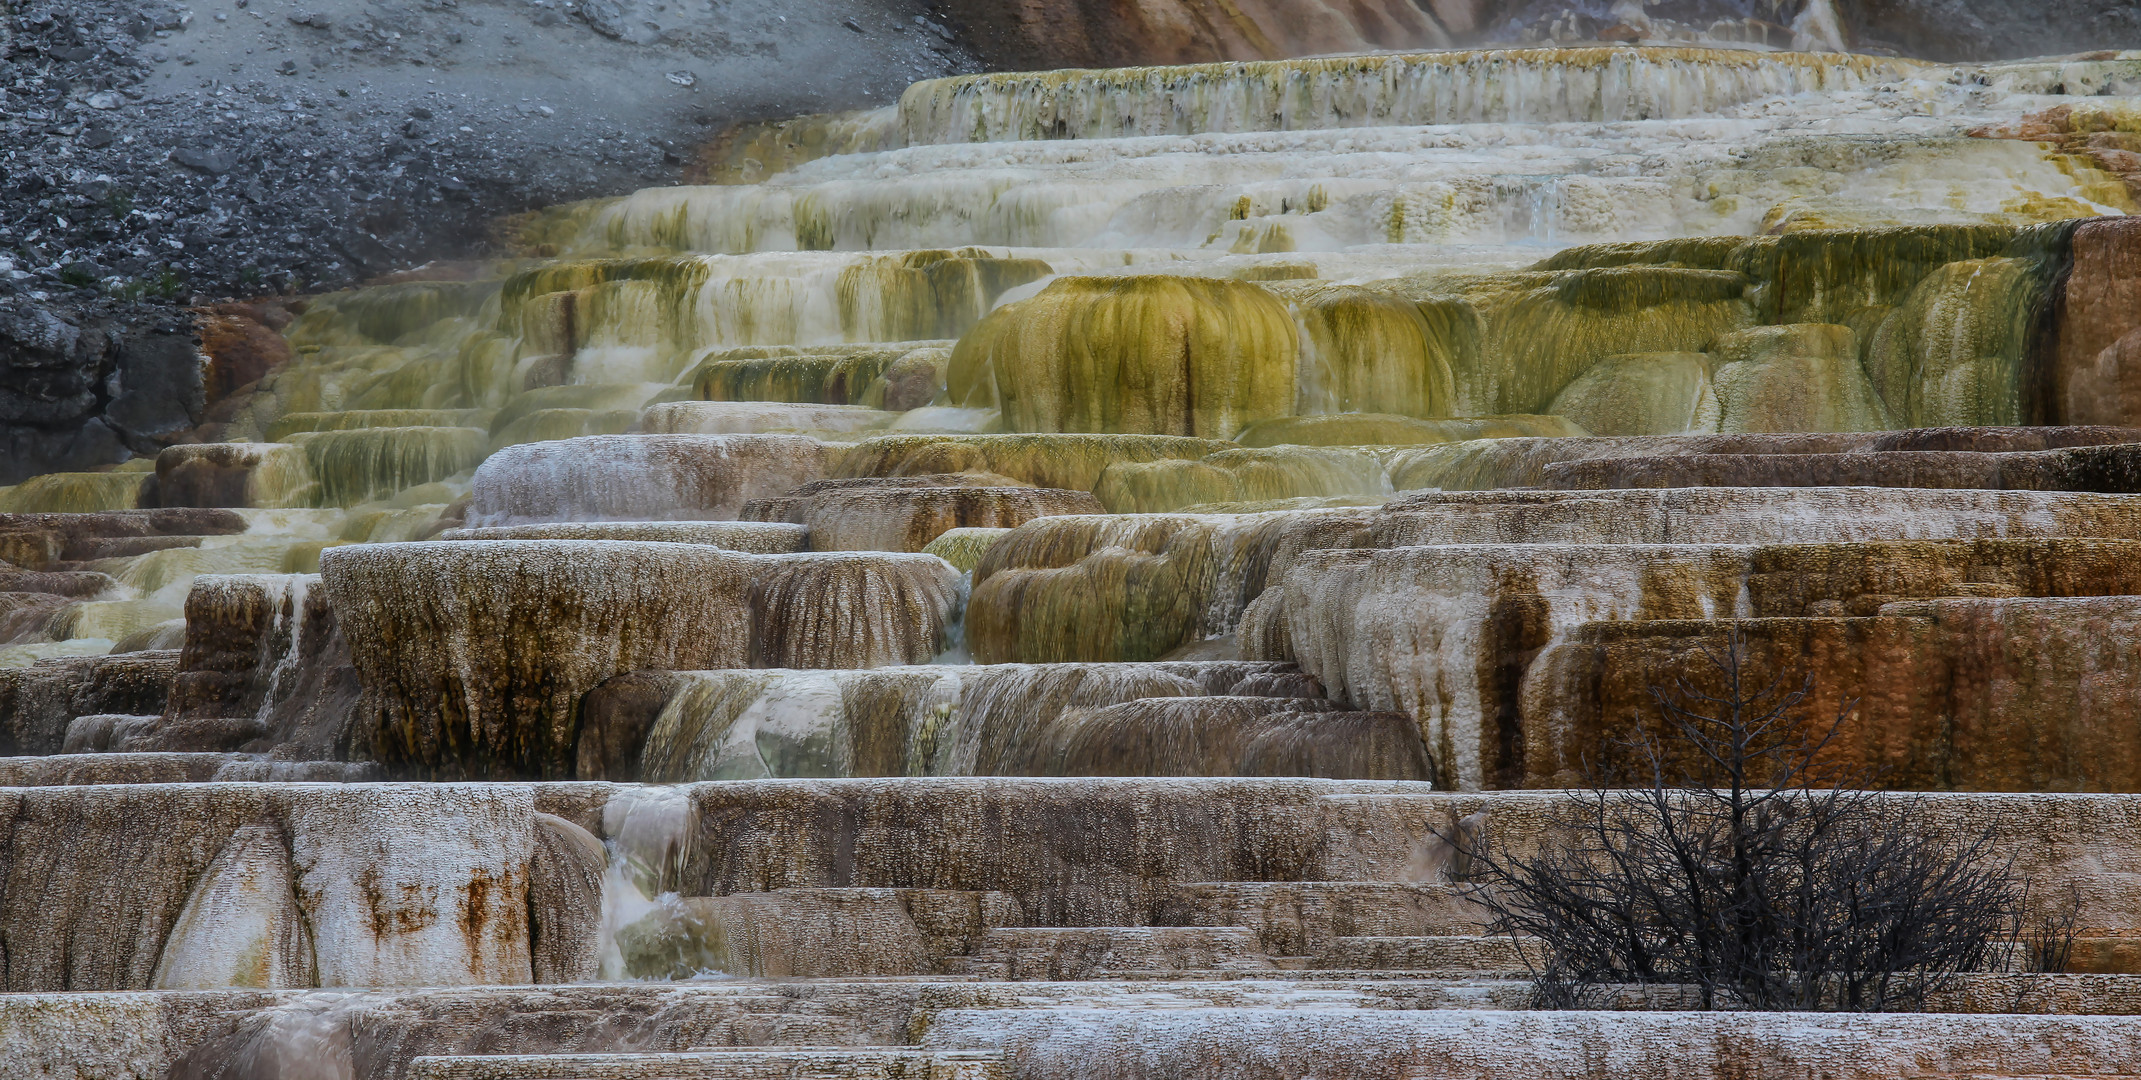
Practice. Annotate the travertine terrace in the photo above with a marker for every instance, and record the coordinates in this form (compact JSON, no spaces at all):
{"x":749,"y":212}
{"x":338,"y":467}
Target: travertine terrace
{"x":1017,"y":587}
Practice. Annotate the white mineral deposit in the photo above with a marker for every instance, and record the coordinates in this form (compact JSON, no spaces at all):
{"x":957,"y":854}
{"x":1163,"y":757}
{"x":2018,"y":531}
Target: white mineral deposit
{"x":1113,"y":561}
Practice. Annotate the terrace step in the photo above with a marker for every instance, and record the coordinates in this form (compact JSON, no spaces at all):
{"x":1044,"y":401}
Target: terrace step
{"x":1439,"y":952}
{"x":1093,"y":952}
{"x":1303,"y":918}
{"x":786,"y":1063}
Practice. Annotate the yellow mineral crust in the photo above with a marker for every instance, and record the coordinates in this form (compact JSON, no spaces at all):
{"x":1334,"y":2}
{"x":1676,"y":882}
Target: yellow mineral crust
{"x":1121,"y":588}
{"x":1234,"y":476}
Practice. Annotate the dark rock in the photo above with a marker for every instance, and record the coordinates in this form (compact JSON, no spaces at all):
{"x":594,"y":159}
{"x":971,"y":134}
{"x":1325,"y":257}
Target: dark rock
{"x":212,"y":162}
{"x":161,"y":392}
{"x":614,"y":720}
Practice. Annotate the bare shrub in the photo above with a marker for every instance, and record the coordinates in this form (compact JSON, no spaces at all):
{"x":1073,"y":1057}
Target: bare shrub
{"x":1741,"y":866}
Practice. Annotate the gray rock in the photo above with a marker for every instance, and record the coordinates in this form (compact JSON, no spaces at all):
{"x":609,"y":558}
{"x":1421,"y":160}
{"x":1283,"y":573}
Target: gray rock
{"x":161,"y":388}
{"x":212,"y":162}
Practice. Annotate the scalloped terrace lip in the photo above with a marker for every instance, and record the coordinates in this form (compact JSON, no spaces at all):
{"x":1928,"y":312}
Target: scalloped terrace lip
{"x":1086,"y":572}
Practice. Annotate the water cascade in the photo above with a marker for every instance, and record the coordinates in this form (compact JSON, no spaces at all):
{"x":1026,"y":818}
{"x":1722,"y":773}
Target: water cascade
{"x":1107,"y":531}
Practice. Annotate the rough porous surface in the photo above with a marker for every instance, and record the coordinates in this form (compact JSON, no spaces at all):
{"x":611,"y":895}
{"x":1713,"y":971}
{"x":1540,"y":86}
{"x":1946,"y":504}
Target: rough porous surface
{"x":639,"y":477}
{"x":908,"y":519}
{"x":943,"y":720}
{"x":1446,"y":633}
{"x":760,"y":537}
{"x":1968,"y":694}
{"x":399,"y":886}
{"x":474,"y":654}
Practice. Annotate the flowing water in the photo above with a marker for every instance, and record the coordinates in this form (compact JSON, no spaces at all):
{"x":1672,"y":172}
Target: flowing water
{"x":1096,"y":503}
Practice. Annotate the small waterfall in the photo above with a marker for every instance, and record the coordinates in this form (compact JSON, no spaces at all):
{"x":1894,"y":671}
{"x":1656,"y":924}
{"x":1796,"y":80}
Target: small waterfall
{"x":650,"y":832}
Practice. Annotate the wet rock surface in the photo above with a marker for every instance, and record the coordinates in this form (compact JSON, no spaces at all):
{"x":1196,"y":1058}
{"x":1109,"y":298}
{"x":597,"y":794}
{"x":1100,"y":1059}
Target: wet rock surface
{"x":1221,"y":412}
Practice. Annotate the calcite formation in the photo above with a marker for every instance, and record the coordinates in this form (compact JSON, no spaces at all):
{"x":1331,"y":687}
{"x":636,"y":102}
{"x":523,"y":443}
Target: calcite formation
{"x":474,"y":654}
{"x":1065,"y":574}
{"x":757,"y":537}
{"x":1446,"y":633}
{"x":849,"y":609}
{"x":844,"y":516}
{"x":979,"y":720}
{"x":1987,"y":694}
{"x":462,"y":647}
{"x":639,"y":477}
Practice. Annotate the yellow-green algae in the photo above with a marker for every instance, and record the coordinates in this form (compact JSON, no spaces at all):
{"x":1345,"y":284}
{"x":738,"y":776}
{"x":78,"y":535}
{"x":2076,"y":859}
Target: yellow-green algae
{"x":292,"y":423}
{"x":1141,"y":354}
{"x":1071,"y":461}
{"x":1942,"y":315}
{"x":386,"y":314}
{"x":1126,"y":587}
{"x":1379,"y":429}
{"x":363,"y":464}
{"x":1090,"y":588}
{"x":849,"y":377}
{"x":1660,"y":393}
{"x":73,"y":493}
{"x":963,"y":547}
{"x":1365,"y":350}
{"x":928,"y":294}
{"x":594,"y":397}
{"x":545,"y":425}
{"x":1243,"y":475}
